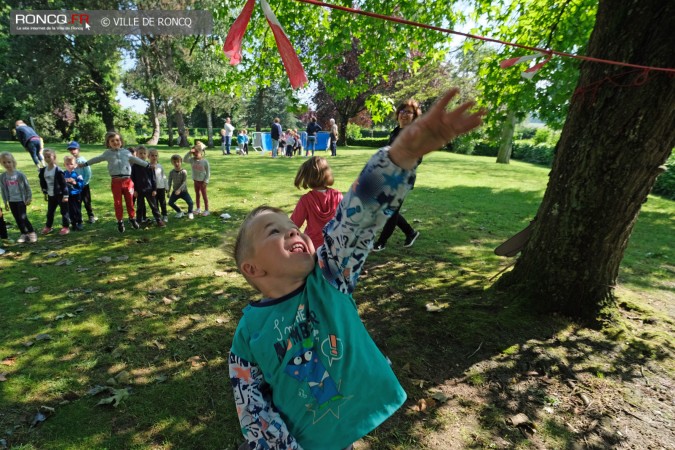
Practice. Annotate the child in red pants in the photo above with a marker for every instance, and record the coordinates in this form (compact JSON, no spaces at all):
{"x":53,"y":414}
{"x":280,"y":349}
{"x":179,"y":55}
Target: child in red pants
{"x":119,"y":167}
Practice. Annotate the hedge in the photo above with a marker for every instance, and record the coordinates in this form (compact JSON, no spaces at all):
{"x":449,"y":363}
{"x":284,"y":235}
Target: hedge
{"x":368,"y":142}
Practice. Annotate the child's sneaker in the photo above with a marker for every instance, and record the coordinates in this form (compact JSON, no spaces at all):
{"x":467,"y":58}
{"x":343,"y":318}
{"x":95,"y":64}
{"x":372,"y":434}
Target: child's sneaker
{"x":134,"y":223}
{"x":64,"y":231}
{"x":32,"y":237}
{"x":198,"y":211}
{"x":2,"y":251}
{"x":179,"y":215}
{"x":160,"y":223}
{"x":23,"y":238}
{"x":79,"y":227}
{"x":191,"y":216}
{"x":206,"y":213}
{"x":378,"y":247}
{"x":120,"y":226}
{"x":410,"y":240}
{"x":93,"y":219}
{"x":46,"y":230}
{"x":165,"y":219}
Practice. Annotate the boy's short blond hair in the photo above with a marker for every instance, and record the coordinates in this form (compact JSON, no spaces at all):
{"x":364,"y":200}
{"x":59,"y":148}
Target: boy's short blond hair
{"x":68,"y":158}
{"x":243,"y":247}
{"x":9,"y":156}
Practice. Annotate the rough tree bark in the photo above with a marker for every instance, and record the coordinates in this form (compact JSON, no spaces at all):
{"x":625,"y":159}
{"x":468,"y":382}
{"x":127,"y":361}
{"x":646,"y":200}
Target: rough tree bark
{"x":619,"y":130}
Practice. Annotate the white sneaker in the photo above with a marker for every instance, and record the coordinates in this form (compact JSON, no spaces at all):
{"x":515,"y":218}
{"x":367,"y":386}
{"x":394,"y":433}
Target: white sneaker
{"x":206,"y":213}
{"x":2,"y":251}
{"x":179,"y":215}
{"x":191,"y":216}
{"x":32,"y":237}
{"x":23,"y":238}
{"x":198,"y":211}
{"x":165,"y":219}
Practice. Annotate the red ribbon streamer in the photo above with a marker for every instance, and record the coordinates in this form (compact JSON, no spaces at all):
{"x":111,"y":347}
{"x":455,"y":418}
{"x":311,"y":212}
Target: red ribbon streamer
{"x":232,"y":46}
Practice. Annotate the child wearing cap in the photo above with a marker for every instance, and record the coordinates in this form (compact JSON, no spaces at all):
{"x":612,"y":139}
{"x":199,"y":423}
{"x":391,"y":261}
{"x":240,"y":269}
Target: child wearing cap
{"x":85,"y":194}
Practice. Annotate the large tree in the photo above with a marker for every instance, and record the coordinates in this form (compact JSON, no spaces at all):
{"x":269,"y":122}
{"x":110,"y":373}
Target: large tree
{"x":619,"y":131}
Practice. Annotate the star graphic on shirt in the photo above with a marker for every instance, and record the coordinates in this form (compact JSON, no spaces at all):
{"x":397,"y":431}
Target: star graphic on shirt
{"x":333,"y":408}
{"x":244,"y":374}
{"x":393,"y":181}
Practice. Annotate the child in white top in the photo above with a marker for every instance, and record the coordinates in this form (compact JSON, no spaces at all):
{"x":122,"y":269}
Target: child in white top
{"x":201,"y":173}
{"x":160,"y":180}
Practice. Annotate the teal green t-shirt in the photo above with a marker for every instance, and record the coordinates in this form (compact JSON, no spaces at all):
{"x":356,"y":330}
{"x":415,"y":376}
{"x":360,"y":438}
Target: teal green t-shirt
{"x":328,"y":374}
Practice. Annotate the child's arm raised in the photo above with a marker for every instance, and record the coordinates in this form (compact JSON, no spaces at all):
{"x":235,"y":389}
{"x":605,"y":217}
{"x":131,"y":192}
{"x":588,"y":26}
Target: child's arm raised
{"x":382,"y":186}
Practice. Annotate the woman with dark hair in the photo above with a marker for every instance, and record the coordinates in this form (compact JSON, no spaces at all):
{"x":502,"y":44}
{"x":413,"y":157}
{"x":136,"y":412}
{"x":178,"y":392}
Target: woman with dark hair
{"x":405,"y":114}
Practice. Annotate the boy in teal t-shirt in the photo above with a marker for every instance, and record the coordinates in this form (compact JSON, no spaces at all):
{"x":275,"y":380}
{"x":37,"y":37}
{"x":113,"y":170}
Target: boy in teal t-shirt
{"x":305,"y":372}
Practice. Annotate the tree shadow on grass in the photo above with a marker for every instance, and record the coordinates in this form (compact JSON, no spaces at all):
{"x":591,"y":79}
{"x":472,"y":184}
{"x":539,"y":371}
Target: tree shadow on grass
{"x":169,"y":324}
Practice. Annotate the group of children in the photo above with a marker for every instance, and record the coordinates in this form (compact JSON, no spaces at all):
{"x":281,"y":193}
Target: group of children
{"x":133,"y":178}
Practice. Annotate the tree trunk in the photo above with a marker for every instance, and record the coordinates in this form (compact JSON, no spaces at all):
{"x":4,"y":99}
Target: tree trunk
{"x":506,"y":141}
{"x":169,"y":125}
{"x":209,"y":125}
{"x":342,"y":129}
{"x":182,"y":131}
{"x":154,"y":117}
{"x":619,"y":130}
{"x":259,"y":108}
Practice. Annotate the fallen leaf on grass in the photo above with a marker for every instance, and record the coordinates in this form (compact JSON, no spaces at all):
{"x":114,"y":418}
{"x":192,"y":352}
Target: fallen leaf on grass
{"x":28,"y":344}
{"x":122,"y":258}
{"x":219,"y":273}
{"x":52,"y":255}
{"x":123,"y":377}
{"x":97,"y":390}
{"x":431,"y":307}
{"x":32,"y":289}
{"x":43,"y":337}
{"x":9,"y":361}
{"x":161,"y":378}
{"x":424,"y":404}
{"x":33,"y":279}
{"x":38,"y":419}
{"x":195,"y":361}
{"x":3,"y":376}
{"x":440,"y":397}
{"x":117,"y":396}
{"x":81,"y":269}
{"x":167,"y":300}
{"x":221,"y":320}
{"x":104,"y":259}
{"x":64,"y":262}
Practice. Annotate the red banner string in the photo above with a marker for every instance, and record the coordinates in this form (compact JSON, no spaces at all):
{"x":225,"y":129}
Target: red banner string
{"x":482,"y":38}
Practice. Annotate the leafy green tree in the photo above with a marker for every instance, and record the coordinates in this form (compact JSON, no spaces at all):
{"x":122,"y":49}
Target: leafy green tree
{"x":549,"y":24}
{"x":619,"y":131}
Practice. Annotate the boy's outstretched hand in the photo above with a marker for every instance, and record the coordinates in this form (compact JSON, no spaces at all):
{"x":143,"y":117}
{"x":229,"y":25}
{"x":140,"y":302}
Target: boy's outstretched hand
{"x":433,"y":130}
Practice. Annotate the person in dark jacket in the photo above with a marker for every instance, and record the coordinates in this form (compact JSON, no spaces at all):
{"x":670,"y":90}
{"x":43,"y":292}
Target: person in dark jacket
{"x":30,"y":141}
{"x":406,"y":113}
{"x":276,"y":133}
{"x":312,"y":129}
{"x":55,"y":188}
{"x":145,"y":188}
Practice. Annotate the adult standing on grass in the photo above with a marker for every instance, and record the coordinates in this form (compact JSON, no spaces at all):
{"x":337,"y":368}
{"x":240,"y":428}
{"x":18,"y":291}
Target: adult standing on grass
{"x":30,"y":141}
{"x":276,"y":133}
{"x":406,"y":113}
{"x":333,"y":137}
{"x":312,"y":129}
{"x":227,"y":137}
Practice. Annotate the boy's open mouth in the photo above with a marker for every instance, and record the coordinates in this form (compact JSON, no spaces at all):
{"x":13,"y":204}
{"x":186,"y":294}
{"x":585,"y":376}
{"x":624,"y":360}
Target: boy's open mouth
{"x":298,"y":248}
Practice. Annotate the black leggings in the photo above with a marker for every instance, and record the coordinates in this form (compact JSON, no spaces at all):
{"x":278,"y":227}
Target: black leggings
{"x":19,"y":212}
{"x":396,"y":220}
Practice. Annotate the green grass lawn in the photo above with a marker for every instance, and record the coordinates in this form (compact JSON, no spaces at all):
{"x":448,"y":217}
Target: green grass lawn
{"x":153,"y":311}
